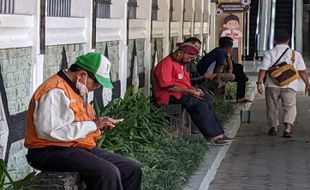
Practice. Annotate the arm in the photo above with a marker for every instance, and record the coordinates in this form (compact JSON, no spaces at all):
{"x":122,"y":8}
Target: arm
{"x":260,"y":79}
{"x":191,"y":91}
{"x":304,"y":76}
{"x":54,"y":120}
{"x":229,"y":64}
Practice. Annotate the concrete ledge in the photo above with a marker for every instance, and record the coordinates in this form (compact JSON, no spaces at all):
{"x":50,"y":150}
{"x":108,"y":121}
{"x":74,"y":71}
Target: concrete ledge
{"x":206,"y":172}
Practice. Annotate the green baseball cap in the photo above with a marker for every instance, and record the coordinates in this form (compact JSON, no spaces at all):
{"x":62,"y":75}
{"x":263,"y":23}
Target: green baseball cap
{"x":98,"y":65}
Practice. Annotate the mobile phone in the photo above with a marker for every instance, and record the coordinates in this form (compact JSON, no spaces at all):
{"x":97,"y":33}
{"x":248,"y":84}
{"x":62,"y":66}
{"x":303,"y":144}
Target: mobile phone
{"x":119,"y":120}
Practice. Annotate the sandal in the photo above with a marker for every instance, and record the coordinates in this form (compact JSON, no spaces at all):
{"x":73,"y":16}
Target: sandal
{"x":273,"y":131}
{"x":287,"y":134}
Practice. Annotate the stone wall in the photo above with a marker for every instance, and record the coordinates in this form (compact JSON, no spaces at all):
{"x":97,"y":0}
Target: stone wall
{"x":54,"y":55}
{"x":15,"y":69}
{"x":136,"y":47}
{"x":111,"y":51}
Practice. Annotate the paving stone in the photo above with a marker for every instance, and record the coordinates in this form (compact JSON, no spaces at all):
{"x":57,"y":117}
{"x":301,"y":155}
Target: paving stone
{"x":257,"y":161}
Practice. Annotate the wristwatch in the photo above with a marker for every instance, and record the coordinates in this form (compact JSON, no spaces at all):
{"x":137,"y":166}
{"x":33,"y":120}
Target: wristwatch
{"x":259,"y":82}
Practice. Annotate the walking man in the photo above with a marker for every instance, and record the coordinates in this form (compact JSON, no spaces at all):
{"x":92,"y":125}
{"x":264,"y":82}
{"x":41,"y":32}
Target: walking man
{"x":287,"y":93}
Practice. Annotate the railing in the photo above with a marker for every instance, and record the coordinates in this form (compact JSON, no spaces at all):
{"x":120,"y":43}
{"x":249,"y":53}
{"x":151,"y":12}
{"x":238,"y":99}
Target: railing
{"x":103,"y":8}
{"x":7,"y":6}
{"x":58,"y":8}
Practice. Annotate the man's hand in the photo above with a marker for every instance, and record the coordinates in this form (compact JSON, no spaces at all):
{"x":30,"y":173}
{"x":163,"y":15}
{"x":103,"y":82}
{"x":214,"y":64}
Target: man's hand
{"x":105,"y":123}
{"x":196,"y":92}
{"x":260,"y":88}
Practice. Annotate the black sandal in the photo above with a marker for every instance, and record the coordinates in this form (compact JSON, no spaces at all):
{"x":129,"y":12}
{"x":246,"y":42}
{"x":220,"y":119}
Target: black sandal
{"x":287,"y":134}
{"x":273,"y":131}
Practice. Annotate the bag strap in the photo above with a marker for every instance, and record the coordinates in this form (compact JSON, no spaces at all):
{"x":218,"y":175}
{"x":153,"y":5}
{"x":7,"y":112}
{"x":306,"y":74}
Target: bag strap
{"x":293,"y":57}
{"x":281,"y":57}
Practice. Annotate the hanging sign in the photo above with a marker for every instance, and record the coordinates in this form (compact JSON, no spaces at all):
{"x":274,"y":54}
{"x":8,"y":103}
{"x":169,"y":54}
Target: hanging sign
{"x":243,"y":6}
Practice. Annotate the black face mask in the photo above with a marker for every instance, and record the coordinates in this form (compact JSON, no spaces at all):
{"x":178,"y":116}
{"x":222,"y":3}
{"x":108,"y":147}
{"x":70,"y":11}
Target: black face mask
{"x":183,"y":62}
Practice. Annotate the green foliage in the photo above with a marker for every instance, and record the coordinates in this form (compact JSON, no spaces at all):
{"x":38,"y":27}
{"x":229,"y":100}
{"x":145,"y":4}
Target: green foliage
{"x":167,"y":160}
{"x":223,"y":109}
{"x":11,"y":184}
{"x":143,"y":122}
{"x":230,"y":90}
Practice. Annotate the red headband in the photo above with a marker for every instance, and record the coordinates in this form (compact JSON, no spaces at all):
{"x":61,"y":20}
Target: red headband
{"x":189,"y":49}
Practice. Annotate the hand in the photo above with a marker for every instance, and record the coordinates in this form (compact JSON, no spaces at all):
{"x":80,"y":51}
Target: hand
{"x":200,"y":92}
{"x":307,"y":90}
{"x":209,"y":76}
{"x":260,"y":88}
{"x":195,"y":92}
{"x":105,"y":123}
{"x":230,"y":70}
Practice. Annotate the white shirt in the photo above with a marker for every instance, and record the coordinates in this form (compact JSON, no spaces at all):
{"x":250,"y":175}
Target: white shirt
{"x":272,"y":55}
{"x":54,"y":120}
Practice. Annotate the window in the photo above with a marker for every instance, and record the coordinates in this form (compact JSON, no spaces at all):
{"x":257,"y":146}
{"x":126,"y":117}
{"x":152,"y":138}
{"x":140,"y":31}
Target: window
{"x":132,"y":9}
{"x":7,"y":6}
{"x":103,"y":8}
{"x":155,"y":9}
{"x":58,"y":8}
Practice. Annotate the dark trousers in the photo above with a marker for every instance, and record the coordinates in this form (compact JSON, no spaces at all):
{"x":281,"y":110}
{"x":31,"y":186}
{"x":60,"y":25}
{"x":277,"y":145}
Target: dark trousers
{"x":99,"y":169}
{"x":202,"y":114}
{"x":241,"y":80}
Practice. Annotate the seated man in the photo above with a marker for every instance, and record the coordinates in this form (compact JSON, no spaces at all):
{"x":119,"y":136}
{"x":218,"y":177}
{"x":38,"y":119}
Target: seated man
{"x":61,"y":129}
{"x":172,"y":86}
{"x":216,"y":60}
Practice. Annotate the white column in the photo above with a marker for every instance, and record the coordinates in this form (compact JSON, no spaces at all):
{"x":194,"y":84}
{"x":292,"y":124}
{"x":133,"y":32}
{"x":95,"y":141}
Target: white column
{"x":37,"y":58}
{"x":182,"y":20}
{"x":193,"y":17}
{"x":166,"y":43}
{"x":89,"y":25}
{"x":148,"y":50}
{"x":299,"y":22}
{"x":123,"y":47}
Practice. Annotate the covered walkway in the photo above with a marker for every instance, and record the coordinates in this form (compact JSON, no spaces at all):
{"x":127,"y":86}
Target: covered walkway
{"x":258,"y":161}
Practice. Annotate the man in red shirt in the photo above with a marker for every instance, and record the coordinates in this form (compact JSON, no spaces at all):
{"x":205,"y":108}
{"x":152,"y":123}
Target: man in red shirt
{"x":173,"y":86}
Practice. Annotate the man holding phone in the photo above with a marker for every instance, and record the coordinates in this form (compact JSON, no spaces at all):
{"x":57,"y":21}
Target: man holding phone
{"x":62,"y":130}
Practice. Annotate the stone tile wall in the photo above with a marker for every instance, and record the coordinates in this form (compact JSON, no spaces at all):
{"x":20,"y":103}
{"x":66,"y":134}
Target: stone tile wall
{"x":16,"y":69}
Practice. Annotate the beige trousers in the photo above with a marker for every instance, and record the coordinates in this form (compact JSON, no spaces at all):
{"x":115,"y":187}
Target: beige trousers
{"x":275,"y":96}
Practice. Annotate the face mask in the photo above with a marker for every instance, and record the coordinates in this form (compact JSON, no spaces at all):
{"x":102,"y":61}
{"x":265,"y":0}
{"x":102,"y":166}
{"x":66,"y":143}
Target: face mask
{"x":183,"y":62}
{"x":82,"y":87}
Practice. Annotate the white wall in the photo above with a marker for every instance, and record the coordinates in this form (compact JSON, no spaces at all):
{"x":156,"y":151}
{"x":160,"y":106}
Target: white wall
{"x":78,"y":8}
{"x":177,"y":10}
{"x":188,"y":10}
{"x":117,"y":8}
{"x":28,"y":8}
{"x":143,"y":6}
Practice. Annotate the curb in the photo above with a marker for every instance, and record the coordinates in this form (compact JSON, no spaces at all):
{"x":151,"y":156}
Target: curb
{"x":203,"y":176}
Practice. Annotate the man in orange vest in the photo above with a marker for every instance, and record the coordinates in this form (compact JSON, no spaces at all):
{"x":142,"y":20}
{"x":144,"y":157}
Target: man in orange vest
{"x":62,"y":130}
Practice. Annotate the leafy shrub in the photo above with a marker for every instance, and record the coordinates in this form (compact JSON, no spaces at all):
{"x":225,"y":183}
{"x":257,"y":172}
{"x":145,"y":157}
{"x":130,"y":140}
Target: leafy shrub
{"x":167,"y":160}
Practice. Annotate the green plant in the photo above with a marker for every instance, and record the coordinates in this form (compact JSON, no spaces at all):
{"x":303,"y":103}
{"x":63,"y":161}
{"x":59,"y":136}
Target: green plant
{"x":142,"y":122}
{"x":230,"y":90}
{"x":11,"y":184}
{"x":167,"y":160}
{"x":223,"y":109}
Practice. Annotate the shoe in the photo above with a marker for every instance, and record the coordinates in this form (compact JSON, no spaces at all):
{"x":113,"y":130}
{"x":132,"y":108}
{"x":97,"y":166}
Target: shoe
{"x":287,"y":134}
{"x":227,"y":139}
{"x":218,"y":142}
{"x":273,"y":131}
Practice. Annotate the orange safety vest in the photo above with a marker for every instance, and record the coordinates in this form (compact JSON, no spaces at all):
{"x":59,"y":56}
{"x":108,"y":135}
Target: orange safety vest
{"x":31,"y":138}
